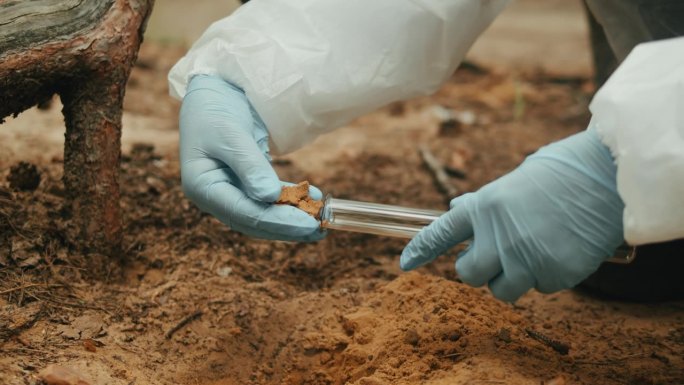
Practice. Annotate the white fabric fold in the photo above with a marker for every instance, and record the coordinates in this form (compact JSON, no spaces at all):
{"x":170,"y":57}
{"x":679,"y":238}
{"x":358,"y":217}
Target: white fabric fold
{"x":309,"y":66}
{"x":639,"y":114}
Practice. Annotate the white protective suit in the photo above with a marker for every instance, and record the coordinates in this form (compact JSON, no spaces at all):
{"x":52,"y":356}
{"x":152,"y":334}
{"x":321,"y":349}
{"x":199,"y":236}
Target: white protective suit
{"x":309,"y":66}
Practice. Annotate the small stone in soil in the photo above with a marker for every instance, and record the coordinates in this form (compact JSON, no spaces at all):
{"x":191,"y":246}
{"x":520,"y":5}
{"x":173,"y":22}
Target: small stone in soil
{"x":455,"y":335}
{"x":411,"y":337}
{"x":504,"y":335}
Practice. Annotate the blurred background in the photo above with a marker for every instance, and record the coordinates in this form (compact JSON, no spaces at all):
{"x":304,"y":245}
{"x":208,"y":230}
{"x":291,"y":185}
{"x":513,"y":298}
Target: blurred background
{"x":546,"y":34}
{"x":530,"y":37}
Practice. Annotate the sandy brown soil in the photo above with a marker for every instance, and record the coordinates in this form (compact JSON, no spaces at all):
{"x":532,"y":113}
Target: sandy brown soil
{"x":198,"y":304}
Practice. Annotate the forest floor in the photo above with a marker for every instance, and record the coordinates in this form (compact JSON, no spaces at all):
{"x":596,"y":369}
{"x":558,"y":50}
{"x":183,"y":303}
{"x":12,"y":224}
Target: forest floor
{"x":196,"y":303}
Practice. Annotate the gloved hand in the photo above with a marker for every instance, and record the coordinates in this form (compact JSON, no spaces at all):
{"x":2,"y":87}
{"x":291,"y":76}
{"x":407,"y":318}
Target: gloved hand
{"x":225,"y":164}
{"x":548,"y":224}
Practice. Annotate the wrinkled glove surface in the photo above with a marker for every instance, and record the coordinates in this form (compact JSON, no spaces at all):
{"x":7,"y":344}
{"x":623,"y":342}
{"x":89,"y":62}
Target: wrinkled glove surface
{"x":547,"y":225}
{"x":225,"y":164}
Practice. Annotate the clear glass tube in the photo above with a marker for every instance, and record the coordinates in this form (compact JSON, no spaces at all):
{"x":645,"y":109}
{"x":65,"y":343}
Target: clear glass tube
{"x":398,"y":221}
{"x":374,"y":218}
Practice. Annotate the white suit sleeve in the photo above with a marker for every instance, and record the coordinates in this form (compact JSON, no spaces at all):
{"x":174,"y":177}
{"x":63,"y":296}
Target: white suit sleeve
{"x":639,"y":114}
{"x":309,"y":66}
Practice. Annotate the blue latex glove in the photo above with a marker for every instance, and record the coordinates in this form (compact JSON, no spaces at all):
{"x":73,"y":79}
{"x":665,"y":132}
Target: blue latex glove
{"x":548,"y":224}
{"x":225,"y":164}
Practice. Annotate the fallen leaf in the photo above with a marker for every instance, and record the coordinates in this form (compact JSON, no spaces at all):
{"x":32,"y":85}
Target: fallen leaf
{"x":89,"y":345}
{"x":84,"y":327}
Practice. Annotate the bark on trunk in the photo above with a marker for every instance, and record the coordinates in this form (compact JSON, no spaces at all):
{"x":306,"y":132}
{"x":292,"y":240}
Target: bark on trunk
{"x":82,"y":50}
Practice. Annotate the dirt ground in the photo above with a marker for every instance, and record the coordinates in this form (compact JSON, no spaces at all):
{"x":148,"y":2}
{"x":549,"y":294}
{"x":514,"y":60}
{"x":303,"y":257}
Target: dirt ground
{"x":198,"y":304}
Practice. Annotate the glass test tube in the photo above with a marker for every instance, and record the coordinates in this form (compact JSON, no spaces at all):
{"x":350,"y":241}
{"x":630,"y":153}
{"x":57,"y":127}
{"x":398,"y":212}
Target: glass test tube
{"x":398,"y":221}
{"x":375,"y":218}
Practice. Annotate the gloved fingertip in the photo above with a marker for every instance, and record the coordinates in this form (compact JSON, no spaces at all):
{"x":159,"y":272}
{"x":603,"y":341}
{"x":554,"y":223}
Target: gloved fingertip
{"x":310,"y":235}
{"x":465,"y":271}
{"x":316,"y":236}
{"x":508,"y":289}
{"x":461,"y":270}
{"x":453,"y":203}
{"x":288,"y":221}
{"x":456,"y":201}
{"x":406,"y":262}
{"x":410,"y":259}
{"x":306,"y":226}
{"x":504,"y":295}
{"x":315,"y":193}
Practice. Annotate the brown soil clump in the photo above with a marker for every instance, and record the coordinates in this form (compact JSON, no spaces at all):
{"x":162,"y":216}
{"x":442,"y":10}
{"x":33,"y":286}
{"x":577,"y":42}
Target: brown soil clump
{"x":414,"y":328}
{"x":298,"y":196}
{"x":292,"y":195}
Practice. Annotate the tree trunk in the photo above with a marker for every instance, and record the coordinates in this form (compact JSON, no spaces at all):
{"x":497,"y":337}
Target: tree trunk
{"x":82,"y":50}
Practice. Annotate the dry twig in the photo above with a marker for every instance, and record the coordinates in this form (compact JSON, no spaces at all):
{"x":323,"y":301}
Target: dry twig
{"x":438,"y":172}
{"x":182,"y":323}
{"x":30,"y":285}
{"x":451,"y":355}
{"x":556,"y":345}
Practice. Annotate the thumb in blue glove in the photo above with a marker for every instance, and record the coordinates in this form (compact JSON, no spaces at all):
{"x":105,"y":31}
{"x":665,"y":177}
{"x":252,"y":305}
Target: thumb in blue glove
{"x":546,"y":225}
{"x":225,"y":164}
